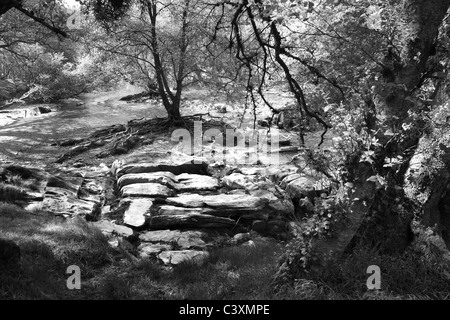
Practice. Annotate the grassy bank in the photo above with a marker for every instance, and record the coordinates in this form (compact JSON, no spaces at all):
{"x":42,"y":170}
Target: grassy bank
{"x":49,"y":245}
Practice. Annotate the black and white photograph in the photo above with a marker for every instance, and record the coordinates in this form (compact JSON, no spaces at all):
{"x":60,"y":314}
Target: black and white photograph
{"x":224,"y":157}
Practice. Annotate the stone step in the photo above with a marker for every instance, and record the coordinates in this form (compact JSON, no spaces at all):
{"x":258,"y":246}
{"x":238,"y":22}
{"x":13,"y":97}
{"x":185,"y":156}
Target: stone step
{"x":148,"y":190}
{"x":137,"y":211}
{"x":180,"y":183}
{"x":191,"y":220}
{"x":193,"y":167}
{"x":196,"y":182}
{"x":165,"y":178}
{"x":257,"y":213}
{"x":224,"y":201}
{"x":183,"y":239}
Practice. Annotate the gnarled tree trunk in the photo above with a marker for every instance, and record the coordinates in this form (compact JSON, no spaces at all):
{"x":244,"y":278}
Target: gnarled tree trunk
{"x":400,"y":212}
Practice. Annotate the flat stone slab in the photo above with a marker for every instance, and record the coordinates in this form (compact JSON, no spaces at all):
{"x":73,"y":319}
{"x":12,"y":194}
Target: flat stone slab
{"x":235,"y":201}
{"x":225,"y":201}
{"x":193,"y":166}
{"x":248,"y":213}
{"x":196,"y":182}
{"x":190,"y":221}
{"x":109,"y":227}
{"x":181,"y":183}
{"x":177,"y":257}
{"x":150,"y":190}
{"x":164,"y":178}
{"x":174,"y":211}
{"x":135,"y":214}
{"x":183,"y":239}
{"x":186,"y":200}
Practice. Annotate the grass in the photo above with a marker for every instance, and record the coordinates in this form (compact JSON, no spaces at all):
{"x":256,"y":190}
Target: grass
{"x":408,"y":276}
{"x":49,"y":245}
{"x":11,"y":193}
{"x":15,"y":181}
{"x":231,"y":273}
{"x":405,"y":277}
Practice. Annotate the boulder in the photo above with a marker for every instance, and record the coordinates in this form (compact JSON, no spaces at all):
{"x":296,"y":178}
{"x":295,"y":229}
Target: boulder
{"x":147,"y":250}
{"x":249,"y":244}
{"x":238,"y":181}
{"x":177,"y":257}
{"x":301,"y":187}
{"x":278,"y":202}
{"x":241,"y":238}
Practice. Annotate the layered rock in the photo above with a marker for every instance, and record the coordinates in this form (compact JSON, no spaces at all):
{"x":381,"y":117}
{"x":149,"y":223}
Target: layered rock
{"x":176,"y":201}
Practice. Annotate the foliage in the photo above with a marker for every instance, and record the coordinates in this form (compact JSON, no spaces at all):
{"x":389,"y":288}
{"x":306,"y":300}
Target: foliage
{"x":35,"y":58}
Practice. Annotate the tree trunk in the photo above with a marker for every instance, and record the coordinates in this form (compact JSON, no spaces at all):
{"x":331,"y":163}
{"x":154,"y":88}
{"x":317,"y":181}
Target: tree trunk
{"x":399,"y":214}
{"x":388,"y":222}
{"x":171,"y":102}
{"x":173,"y":110}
